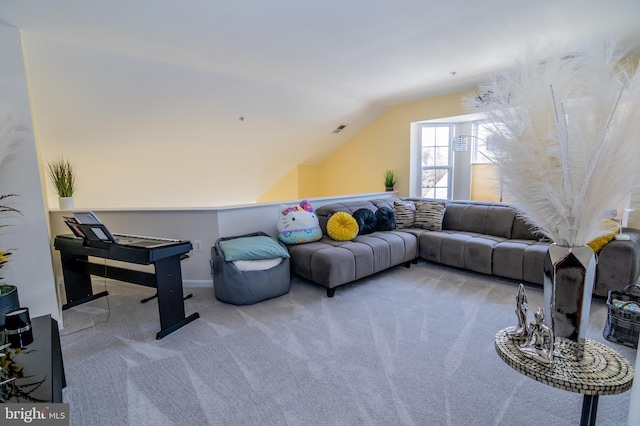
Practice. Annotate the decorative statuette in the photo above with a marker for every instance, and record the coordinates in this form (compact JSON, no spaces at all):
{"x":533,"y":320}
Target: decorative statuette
{"x":539,"y":343}
{"x":521,"y":330}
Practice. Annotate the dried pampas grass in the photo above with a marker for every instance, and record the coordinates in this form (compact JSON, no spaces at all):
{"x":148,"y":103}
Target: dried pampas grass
{"x":568,"y":137}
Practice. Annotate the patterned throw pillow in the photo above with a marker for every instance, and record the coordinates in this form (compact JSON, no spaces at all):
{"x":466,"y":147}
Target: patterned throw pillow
{"x":405,"y":213}
{"x":341,"y":226}
{"x":429,"y":215}
{"x":366,"y":219}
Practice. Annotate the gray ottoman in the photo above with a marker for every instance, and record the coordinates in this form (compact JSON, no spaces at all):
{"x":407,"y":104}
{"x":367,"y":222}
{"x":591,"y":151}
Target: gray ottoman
{"x":238,"y":287}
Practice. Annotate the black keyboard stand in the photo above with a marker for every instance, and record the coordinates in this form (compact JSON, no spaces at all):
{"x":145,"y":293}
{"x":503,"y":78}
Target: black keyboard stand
{"x":166,"y":278}
{"x":188,"y":296}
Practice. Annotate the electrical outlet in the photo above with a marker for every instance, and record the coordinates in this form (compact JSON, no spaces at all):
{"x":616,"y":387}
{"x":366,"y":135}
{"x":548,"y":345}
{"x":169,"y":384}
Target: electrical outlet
{"x":197,"y":245}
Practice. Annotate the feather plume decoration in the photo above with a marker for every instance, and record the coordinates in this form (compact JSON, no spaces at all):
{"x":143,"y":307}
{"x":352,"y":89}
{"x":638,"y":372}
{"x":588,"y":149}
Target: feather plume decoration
{"x":568,"y":136}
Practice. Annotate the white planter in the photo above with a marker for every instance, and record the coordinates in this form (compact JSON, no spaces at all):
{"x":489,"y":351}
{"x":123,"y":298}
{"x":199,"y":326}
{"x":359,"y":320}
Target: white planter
{"x":66,"y":203}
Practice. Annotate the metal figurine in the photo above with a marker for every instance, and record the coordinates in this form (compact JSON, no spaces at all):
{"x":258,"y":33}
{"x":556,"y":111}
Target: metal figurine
{"x":521,"y":330}
{"x":539,"y":343}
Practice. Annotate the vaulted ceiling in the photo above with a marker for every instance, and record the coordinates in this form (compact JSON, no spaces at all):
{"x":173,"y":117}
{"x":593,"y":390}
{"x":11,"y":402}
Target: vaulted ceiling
{"x":161,"y":71}
{"x":375,"y":50}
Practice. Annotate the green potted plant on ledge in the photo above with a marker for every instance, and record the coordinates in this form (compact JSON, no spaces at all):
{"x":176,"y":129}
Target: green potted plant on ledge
{"x":63,"y":177}
{"x":389,"y":180}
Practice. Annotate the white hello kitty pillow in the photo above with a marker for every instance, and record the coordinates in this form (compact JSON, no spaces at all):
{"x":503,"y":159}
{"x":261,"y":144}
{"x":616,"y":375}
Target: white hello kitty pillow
{"x":298,"y":224}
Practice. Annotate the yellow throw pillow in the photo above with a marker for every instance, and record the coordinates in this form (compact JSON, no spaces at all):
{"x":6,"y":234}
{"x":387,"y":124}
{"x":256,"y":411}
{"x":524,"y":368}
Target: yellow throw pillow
{"x":342,"y":227}
{"x":609,"y":225}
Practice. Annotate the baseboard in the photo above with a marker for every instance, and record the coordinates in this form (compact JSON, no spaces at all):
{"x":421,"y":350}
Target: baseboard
{"x":197,"y":283}
{"x":185,"y":283}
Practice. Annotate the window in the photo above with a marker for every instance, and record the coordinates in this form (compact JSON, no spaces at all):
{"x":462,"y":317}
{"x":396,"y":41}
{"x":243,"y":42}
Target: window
{"x":436,"y":168}
{"x":483,"y":149}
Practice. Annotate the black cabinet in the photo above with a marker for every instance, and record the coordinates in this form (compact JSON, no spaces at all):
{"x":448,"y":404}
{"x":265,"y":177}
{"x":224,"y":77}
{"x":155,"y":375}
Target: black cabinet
{"x":41,"y":361}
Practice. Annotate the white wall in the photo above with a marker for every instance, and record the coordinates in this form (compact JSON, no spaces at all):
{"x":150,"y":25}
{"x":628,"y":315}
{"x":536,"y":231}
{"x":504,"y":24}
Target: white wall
{"x":30,"y":266}
{"x":144,"y":133}
{"x":204,"y":225}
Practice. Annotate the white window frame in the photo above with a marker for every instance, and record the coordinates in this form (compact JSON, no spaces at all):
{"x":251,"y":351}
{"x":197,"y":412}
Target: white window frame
{"x":448,"y":168}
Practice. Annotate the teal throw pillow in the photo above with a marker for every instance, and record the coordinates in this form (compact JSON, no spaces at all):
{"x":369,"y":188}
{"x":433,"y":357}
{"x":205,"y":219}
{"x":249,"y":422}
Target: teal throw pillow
{"x":252,"y":248}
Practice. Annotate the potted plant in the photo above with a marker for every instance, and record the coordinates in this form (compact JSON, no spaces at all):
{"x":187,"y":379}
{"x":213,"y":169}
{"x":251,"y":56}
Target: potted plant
{"x":63,"y":177}
{"x":8,"y":293}
{"x":9,"y":300}
{"x":389,"y":180}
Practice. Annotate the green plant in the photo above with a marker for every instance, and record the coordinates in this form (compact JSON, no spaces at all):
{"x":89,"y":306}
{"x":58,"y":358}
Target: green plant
{"x":63,"y":177}
{"x":11,"y":373}
{"x":8,"y":208}
{"x":389,"y":179}
{"x":4,"y":255}
{"x":4,"y":258}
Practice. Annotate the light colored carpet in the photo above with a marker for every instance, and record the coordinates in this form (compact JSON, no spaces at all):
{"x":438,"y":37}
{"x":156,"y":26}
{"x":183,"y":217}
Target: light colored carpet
{"x":405,"y":347}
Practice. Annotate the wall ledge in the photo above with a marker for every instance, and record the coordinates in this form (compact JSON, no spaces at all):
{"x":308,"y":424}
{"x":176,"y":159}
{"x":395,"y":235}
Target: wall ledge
{"x":318,"y":200}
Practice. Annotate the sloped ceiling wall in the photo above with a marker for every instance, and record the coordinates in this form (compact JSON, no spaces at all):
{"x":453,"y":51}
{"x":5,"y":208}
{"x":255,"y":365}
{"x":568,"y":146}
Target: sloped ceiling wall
{"x":145,"y":133}
{"x":146,"y":95}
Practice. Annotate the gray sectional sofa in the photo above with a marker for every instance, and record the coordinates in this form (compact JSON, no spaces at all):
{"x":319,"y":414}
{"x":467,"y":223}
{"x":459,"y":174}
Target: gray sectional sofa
{"x":484,"y":237}
{"x":334,"y":263}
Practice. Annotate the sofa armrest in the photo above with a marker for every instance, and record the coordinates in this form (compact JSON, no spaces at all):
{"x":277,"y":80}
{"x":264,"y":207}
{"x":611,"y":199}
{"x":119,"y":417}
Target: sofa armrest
{"x":618,"y":263}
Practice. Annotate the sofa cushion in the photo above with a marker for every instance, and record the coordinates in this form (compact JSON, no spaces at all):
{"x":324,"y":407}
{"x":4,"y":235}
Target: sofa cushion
{"x":429,"y":215}
{"x":468,"y":250}
{"x":385,"y":219}
{"x":478,"y":253}
{"x":523,"y":230}
{"x":342,"y":226}
{"x":385,"y":202}
{"x":481,"y":217}
{"x":332,"y":263}
{"x":446,"y":247}
{"x":405,"y":214}
{"x":618,"y":263}
{"x":520,"y":260}
{"x":367,"y":221}
{"x":533,"y":262}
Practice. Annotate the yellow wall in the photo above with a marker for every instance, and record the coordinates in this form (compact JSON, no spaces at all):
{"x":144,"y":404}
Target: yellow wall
{"x":285,"y":189}
{"x":301,"y":182}
{"x":308,"y":182}
{"x":484,"y":182}
{"x":359,"y":165}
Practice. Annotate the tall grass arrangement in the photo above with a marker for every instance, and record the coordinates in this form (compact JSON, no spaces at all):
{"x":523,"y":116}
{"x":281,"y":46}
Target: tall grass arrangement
{"x":567,"y":130}
{"x":62,"y":174}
